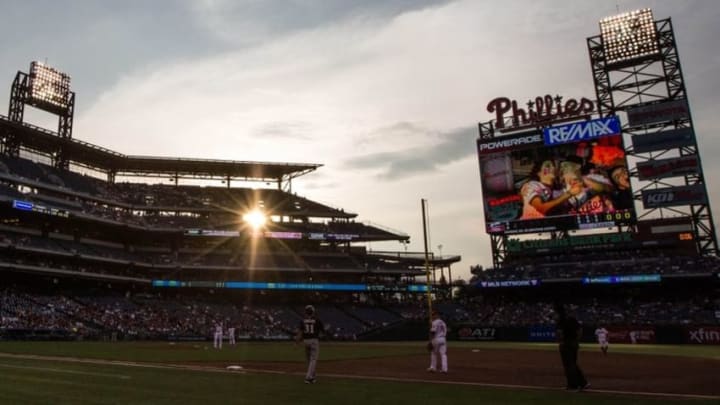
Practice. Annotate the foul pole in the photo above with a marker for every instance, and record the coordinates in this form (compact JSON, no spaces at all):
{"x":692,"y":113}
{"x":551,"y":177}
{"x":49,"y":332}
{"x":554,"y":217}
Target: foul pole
{"x":423,"y":205}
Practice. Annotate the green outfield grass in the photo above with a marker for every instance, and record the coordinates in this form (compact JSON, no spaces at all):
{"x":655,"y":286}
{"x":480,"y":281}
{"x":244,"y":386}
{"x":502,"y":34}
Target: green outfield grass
{"x":30,"y":381}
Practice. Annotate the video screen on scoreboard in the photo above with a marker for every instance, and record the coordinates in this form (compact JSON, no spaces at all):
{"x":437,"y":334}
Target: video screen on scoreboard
{"x":564,"y":177}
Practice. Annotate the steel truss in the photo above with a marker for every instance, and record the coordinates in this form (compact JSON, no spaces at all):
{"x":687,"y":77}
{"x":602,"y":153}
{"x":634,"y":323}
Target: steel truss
{"x":19,"y":97}
{"x":653,"y":79}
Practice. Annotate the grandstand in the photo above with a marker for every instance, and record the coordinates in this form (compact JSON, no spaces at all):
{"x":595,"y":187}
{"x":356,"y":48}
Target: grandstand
{"x":96,"y":238}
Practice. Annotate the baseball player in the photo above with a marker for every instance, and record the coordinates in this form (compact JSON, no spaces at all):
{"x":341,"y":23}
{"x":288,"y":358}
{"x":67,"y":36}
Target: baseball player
{"x":602,"y":338}
{"x":438,"y":332}
{"x":309,"y":331}
{"x":218,"y":335}
{"x":231,"y":335}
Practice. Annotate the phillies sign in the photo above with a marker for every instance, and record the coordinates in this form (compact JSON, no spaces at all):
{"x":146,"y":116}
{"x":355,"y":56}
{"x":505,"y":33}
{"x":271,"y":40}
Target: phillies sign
{"x":540,"y":111}
{"x":582,"y":131}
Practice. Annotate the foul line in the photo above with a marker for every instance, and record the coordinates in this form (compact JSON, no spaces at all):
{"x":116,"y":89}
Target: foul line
{"x":526,"y":387}
{"x":57,"y":370}
{"x":346,"y":376}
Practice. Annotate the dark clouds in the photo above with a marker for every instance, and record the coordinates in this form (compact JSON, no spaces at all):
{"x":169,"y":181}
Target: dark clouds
{"x":98,"y":42}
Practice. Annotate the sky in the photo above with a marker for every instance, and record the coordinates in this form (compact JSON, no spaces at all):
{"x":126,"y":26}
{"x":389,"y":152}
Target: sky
{"x":385,"y":94}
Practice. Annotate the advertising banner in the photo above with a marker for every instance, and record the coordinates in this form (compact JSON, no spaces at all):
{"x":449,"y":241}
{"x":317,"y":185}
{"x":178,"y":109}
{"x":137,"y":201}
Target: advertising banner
{"x":703,"y":335}
{"x":673,"y":167}
{"x":477,"y":333}
{"x":570,"y":176}
{"x":674,"y":196}
{"x":507,"y":283}
{"x":581,"y":131}
{"x":660,"y":112}
{"x":675,"y":138}
{"x":541,"y":333}
{"x":631,"y":334}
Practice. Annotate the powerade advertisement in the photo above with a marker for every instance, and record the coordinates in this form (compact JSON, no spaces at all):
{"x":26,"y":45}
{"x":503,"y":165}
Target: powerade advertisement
{"x":569,"y":176}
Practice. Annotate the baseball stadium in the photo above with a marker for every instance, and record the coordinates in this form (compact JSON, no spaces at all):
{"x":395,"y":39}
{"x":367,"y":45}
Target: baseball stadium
{"x":154,"y":279}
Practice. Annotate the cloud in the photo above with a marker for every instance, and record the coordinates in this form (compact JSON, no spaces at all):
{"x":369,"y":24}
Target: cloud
{"x":285,"y":130}
{"x":250,"y":22}
{"x":452,"y":146}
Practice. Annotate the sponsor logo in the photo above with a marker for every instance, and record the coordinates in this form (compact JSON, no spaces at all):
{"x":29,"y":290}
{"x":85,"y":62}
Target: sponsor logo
{"x":476,"y":333}
{"x":509,"y":283}
{"x":710,"y":335}
{"x":496,"y":146}
{"x":580,"y":131}
{"x":674,"y":196}
{"x":658,"y":198}
{"x":635,"y":335}
{"x":541,"y":333}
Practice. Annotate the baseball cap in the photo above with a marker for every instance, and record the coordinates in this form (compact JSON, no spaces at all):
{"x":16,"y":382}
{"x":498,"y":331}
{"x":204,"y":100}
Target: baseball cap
{"x":309,"y":309}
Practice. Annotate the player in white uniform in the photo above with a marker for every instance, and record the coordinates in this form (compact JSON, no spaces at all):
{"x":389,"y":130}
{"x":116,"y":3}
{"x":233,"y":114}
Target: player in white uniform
{"x":602,"y":338}
{"x":218,"y":336}
{"x":231,"y":335}
{"x":438,"y":333}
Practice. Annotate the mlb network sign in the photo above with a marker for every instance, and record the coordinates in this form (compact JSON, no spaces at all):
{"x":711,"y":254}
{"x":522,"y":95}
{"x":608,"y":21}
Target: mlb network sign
{"x":581,"y":131}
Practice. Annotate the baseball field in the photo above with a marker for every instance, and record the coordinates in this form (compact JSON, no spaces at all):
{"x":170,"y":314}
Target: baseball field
{"x":349,"y":373}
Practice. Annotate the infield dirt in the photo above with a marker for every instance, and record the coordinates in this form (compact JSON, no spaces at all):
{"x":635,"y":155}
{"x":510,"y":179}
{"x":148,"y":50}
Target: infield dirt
{"x":534,"y":368}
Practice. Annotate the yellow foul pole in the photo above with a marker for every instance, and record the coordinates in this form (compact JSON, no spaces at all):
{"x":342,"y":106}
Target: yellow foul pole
{"x":423,"y":204}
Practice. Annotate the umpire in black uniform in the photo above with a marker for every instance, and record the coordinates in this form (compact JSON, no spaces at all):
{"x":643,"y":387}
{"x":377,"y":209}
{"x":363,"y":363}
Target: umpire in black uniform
{"x":569,"y":332}
{"x":309,"y":331}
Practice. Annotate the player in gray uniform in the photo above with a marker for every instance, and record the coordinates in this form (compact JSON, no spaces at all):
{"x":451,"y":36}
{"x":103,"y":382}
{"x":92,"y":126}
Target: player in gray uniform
{"x":309,"y":331}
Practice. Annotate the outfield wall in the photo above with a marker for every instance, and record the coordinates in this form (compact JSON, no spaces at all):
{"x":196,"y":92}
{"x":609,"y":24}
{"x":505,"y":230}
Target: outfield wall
{"x":417,"y":331}
{"x":638,"y":334}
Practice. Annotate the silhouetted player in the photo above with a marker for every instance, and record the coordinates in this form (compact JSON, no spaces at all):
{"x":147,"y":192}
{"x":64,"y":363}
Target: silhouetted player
{"x":568,"y":333}
{"x":310,"y":330}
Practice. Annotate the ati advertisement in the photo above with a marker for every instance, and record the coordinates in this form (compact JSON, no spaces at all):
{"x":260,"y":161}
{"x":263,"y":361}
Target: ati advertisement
{"x":571,"y":176}
{"x":477,"y":333}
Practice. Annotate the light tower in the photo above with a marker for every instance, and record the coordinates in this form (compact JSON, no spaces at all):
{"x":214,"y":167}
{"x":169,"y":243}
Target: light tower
{"x":47,"y":89}
{"x":637,"y":75}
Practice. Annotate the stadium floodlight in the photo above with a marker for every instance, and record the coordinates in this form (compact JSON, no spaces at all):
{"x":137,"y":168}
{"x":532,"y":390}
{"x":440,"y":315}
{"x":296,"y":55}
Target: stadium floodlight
{"x":48,"y":88}
{"x":629,"y":36}
{"x":255,"y":219}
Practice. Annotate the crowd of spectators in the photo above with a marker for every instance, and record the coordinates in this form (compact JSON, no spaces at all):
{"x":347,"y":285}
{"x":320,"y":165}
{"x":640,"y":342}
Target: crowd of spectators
{"x":702,"y":309}
{"x":153,"y":316}
{"x":165,"y":206}
{"x":605,"y":263}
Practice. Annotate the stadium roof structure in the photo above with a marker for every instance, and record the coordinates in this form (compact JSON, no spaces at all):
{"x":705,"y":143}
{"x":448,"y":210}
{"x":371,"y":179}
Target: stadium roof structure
{"x":85,"y":154}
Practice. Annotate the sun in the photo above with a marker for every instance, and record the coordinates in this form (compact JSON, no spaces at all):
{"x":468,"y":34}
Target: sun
{"x":255,"y":219}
